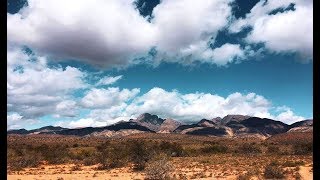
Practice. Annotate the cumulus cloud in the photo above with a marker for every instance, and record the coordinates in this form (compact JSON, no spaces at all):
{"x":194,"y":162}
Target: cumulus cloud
{"x":182,"y":23}
{"x":286,"y":115}
{"x":35,"y":90}
{"x":288,"y":31}
{"x":108,"y":80}
{"x":194,"y":106}
{"x":225,"y":54}
{"x":189,"y":107}
{"x":106,"y":98}
{"x":98,"y":32}
{"x":13,"y":120}
{"x":16,"y":121}
{"x":113,"y":33}
{"x":86,"y":122}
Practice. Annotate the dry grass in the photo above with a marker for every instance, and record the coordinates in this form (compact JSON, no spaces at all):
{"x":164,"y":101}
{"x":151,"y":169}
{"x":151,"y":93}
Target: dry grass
{"x":135,"y":156}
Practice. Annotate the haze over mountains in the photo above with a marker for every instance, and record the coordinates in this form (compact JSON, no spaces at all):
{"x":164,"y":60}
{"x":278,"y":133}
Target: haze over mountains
{"x":228,"y":126}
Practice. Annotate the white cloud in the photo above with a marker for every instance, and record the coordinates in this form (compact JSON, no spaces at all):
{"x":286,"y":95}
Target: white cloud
{"x":16,"y":121}
{"x":194,"y":106}
{"x":108,"y":106}
{"x":108,"y":80}
{"x":117,"y":32}
{"x":106,"y":98}
{"x":66,"y":108}
{"x":86,"y":122}
{"x":35,"y":90}
{"x":13,"y":120}
{"x":290,"y":31}
{"x":225,"y":54}
{"x":189,"y":107}
{"x":286,"y":115}
{"x":183,"y":23}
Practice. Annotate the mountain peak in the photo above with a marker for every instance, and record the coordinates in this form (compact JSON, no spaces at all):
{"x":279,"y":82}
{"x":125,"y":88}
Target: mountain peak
{"x":206,"y":123}
{"x":169,"y":125}
{"x":234,"y":117}
{"x":149,"y":118}
{"x":153,"y":122}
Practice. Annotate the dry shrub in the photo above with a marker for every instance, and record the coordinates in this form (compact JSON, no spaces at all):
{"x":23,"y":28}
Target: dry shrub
{"x":140,"y":154}
{"x":159,"y":168}
{"x":248,"y":175}
{"x":113,"y":157}
{"x":303,"y":148}
{"x":248,"y":148}
{"x":293,"y":163}
{"x":19,"y":159}
{"x":214,"y":148}
{"x":172,"y":149}
{"x":273,"y":171}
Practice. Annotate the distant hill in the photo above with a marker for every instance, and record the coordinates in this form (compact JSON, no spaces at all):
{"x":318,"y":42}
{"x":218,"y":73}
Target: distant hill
{"x":152,"y":122}
{"x":302,"y":126}
{"x":169,"y":125}
{"x":229,"y":126}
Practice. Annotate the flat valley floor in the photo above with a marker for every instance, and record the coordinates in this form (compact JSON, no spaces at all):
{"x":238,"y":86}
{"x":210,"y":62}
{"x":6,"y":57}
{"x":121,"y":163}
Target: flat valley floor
{"x":200,"y":157}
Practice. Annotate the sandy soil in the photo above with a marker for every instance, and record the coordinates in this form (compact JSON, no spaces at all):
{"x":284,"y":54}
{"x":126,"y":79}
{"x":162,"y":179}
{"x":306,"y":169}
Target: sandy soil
{"x":306,"y":172}
{"x":65,"y":172}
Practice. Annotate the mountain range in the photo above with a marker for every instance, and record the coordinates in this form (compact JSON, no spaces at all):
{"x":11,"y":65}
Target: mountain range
{"x":228,"y":126}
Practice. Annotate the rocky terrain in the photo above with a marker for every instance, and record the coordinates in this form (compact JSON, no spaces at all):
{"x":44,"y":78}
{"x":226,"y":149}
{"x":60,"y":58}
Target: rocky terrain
{"x":228,"y":126}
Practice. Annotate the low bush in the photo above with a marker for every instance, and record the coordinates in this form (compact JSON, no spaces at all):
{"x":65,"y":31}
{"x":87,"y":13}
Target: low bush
{"x":172,"y":149}
{"x":159,"y":168}
{"x":214,"y":148}
{"x":273,"y":171}
{"x":303,"y":148}
{"x":247,"y":148}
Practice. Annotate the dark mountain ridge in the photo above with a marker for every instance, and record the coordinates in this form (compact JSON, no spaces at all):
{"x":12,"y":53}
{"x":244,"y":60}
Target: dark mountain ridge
{"x":230,"y":125}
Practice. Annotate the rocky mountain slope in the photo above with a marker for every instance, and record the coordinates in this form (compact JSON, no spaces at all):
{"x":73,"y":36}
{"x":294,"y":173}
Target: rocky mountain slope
{"x":229,"y":126}
{"x":302,"y":126}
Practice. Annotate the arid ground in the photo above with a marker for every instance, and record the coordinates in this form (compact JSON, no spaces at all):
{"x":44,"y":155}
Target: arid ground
{"x":160,"y":156}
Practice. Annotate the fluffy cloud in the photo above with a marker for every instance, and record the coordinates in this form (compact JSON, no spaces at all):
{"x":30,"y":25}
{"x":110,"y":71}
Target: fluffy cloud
{"x":66,"y":108}
{"x":183,"y":23}
{"x":194,"y":106}
{"x":86,"y":122}
{"x":289,"y":31}
{"x":191,"y":107}
{"x":106,"y":98}
{"x":108,"y":80}
{"x":12,"y":120}
{"x":108,"y":106}
{"x":35,"y":90}
{"x":117,"y":33}
{"x":16,"y":121}
{"x":286,"y":115}
{"x":225,"y":54}
{"x":60,"y":28}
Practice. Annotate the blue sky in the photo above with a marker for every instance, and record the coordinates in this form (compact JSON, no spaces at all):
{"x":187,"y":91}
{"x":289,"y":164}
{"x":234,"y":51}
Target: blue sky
{"x":176,"y":60}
